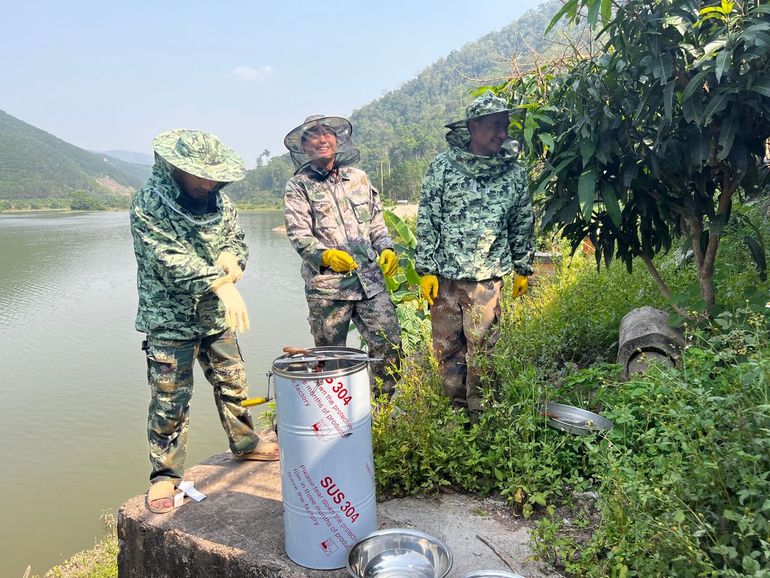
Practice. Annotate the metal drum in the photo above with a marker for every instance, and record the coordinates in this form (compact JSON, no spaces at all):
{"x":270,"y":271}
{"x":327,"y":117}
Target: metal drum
{"x":327,"y":469}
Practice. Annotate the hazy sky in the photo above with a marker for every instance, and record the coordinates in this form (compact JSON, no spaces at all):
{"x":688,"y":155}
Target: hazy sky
{"x":111,"y":75}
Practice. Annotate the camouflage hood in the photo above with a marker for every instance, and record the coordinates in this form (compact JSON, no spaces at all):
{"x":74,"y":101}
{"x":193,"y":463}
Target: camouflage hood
{"x":341,"y":128}
{"x":459,"y":138}
{"x":487,"y":103}
{"x":460,"y":156}
{"x":201,"y":154}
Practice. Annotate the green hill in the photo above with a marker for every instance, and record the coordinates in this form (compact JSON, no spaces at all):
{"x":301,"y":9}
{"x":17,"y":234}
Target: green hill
{"x":37,"y":165}
{"x":131,"y":157}
{"x":400,"y":133}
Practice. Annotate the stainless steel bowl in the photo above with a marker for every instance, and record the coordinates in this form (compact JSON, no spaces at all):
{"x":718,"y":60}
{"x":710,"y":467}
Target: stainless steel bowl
{"x":575,"y":420}
{"x":399,"y":553}
{"x":491,"y":574}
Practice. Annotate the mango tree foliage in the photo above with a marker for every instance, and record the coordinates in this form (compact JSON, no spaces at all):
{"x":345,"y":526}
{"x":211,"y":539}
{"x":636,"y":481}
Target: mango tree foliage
{"x":653,"y":138}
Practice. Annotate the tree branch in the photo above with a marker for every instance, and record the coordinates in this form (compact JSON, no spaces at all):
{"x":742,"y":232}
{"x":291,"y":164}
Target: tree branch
{"x":724,"y":207}
{"x":653,"y":271}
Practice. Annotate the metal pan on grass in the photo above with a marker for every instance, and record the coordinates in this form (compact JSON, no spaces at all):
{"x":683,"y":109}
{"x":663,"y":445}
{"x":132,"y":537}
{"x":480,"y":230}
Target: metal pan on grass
{"x":575,"y":420}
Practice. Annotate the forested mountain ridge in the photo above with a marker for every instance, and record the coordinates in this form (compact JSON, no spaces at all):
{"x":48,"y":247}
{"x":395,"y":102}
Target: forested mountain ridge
{"x":400,"y":133}
{"x":35,"y":164}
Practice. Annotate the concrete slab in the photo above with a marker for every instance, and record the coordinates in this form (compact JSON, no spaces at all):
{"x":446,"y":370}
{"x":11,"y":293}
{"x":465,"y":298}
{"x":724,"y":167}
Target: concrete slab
{"x":238,"y":529}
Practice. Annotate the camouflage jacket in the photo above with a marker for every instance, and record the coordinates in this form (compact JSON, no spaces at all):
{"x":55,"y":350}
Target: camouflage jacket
{"x":175,"y":254}
{"x":475,"y":218}
{"x":340,"y":210}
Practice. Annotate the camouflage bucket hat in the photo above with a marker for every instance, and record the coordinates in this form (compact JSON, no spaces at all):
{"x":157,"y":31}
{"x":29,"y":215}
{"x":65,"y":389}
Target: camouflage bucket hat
{"x":487,"y":103}
{"x":201,"y":154}
{"x":341,"y":128}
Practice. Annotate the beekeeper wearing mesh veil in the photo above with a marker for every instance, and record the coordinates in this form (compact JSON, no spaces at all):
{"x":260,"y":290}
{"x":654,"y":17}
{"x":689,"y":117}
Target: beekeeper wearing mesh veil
{"x":474,"y":227}
{"x":334,"y":221}
{"x":190,"y":253}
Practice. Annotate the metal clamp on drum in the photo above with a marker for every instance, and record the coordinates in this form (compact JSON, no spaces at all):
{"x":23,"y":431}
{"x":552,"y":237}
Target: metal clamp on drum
{"x":252,"y":401}
{"x":327,"y":468}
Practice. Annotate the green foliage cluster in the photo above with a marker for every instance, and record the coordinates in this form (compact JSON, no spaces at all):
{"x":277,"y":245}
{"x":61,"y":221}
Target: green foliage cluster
{"x":404,"y":287}
{"x":76,"y":201}
{"x":36,"y":165}
{"x":265,"y":184}
{"x":679,"y":485}
{"x":684,"y":476}
{"x":655,"y":136}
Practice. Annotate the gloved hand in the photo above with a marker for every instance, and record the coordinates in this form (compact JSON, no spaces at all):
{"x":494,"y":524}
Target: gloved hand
{"x":520,"y":285}
{"x":429,"y":287}
{"x":338,"y":260}
{"x":228,"y":262}
{"x":388,"y":262}
{"x":235,"y":309}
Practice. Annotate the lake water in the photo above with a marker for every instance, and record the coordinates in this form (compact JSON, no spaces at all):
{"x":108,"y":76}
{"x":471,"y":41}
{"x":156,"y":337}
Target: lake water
{"x":72,"y":376}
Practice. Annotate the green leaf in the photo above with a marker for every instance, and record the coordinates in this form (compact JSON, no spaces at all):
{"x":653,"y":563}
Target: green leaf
{"x":611,"y":203}
{"x":402,"y":229}
{"x":727,"y":135}
{"x":696,"y":83}
{"x":711,"y":10}
{"x":762,"y":86}
{"x":668,"y":99}
{"x":724,"y":59}
{"x":546,"y":139}
{"x":606,"y":11}
{"x":391,"y":284}
{"x":593,"y":12}
{"x":563,"y":164}
{"x":587,"y":148}
{"x":412,"y":277}
{"x":692,"y":109}
{"x":708,"y":51}
{"x":699,"y":144}
{"x":758,"y":255}
{"x":529,"y":130}
{"x":587,"y":192}
{"x":715,"y":105}
{"x":569,"y":8}
{"x":664,"y":66}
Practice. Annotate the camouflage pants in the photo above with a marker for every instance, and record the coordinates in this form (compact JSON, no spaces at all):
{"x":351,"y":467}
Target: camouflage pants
{"x":170,"y":376}
{"x":464,"y":320}
{"x":376,"y":321}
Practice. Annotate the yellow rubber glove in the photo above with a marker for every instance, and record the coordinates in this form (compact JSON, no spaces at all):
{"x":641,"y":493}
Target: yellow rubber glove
{"x":228,"y":262}
{"x":429,"y":287}
{"x":520,"y":285}
{"x":338,"y":260}
{"x":235,"y":309}
{"x":388,"y":262}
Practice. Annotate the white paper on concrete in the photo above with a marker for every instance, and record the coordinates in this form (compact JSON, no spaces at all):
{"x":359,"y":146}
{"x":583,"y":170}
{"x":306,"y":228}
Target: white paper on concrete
{"x":188,"y":488}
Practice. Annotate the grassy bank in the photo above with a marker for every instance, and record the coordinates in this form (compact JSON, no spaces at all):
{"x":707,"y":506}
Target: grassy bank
{"x":679,"y":486}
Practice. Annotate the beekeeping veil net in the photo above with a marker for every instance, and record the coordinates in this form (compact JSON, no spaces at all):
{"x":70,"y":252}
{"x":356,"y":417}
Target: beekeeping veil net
{"x":346,"y":154}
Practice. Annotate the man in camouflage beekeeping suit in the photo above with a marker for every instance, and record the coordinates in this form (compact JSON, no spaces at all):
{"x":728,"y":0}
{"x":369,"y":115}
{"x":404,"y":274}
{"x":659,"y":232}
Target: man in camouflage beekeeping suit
{"x":474,"y":225}
{"x":334,"y":221}
{"x":190,"y":253}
